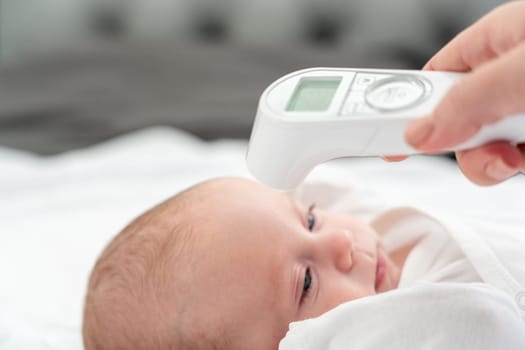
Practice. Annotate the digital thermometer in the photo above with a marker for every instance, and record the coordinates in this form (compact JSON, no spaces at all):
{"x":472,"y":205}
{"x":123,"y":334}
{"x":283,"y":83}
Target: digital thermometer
{"x":314,"y":115}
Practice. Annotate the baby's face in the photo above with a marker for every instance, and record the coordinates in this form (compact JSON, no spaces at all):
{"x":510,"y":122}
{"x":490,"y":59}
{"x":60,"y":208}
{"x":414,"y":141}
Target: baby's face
{"x":268,"y":261}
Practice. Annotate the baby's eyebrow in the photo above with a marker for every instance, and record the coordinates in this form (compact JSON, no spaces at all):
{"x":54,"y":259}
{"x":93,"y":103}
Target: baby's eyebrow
{"x":296,"y":206}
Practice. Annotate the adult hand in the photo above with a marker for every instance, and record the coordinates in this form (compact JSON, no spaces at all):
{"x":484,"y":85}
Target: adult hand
{"x":493,"y":50}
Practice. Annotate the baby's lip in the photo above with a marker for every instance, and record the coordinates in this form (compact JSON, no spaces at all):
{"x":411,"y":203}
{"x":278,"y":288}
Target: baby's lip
{"x":380,"y":269}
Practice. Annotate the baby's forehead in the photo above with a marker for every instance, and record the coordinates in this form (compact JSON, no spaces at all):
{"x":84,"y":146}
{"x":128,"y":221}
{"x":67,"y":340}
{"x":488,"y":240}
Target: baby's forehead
{"x":226,"y":190}
{"x":236,"y":207}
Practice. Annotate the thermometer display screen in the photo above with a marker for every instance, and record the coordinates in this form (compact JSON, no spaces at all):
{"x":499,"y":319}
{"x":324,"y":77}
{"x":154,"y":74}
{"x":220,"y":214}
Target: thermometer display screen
{"x":313,"y":94}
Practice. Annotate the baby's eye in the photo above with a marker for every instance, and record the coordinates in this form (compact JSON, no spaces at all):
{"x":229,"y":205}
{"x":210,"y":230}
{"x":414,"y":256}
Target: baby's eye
{"x":310,"y":217}
{"x":306,"y":284}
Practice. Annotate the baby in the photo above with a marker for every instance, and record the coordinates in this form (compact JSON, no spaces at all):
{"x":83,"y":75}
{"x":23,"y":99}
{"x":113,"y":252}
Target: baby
{"x":228,"y":264}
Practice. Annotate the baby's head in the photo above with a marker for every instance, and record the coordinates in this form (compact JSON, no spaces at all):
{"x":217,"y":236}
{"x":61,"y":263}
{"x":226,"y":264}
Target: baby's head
{"x":228,"y":264}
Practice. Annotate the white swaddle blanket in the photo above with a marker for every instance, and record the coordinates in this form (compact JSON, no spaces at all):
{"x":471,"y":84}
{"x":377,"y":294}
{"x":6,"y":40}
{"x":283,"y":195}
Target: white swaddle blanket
{"x":427,"y":316}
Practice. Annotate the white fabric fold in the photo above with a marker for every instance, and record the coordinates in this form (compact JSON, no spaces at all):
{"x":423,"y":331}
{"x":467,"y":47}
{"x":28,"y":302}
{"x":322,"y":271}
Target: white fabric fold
{"x":430,"y":316}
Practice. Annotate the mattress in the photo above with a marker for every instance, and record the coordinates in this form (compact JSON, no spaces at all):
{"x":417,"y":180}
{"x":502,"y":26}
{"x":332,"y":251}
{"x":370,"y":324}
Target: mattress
{"x":57,"y":213}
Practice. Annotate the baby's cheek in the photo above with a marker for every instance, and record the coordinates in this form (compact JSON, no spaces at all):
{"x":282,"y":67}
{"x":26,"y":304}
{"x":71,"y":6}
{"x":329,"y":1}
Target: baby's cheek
{"x":366,"y":238}
{"x":360,"y":227}
{"x":320,"y":306}
{"x":337,"y":295}
{"x":370,"y":231}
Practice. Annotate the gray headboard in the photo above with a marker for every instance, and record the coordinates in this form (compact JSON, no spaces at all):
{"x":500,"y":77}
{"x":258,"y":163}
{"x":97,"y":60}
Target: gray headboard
{"x":77,"y":72}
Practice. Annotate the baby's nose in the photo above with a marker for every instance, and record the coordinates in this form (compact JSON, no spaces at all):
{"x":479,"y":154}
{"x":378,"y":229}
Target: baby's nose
{"x":340,"y":245}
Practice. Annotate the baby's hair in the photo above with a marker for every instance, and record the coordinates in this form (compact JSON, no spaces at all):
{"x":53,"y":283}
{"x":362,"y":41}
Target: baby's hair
{"x":126,"y":305}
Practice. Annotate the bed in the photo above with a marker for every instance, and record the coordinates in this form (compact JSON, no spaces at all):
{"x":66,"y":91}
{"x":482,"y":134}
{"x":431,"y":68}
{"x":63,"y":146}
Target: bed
{"x":57,"y":213}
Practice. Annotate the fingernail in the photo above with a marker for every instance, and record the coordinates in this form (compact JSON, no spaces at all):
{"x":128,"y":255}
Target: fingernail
{"x":498,"y":170}
{"x":419,"y":132}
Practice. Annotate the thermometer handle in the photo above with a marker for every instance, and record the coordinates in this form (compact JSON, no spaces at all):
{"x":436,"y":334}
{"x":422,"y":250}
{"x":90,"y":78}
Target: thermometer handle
{"x":388,"y":138}
{"x":314,"y":115}
{"x":510,"y":129}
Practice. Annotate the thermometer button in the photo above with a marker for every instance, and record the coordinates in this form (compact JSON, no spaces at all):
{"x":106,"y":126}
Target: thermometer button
{"x":395,"y":93}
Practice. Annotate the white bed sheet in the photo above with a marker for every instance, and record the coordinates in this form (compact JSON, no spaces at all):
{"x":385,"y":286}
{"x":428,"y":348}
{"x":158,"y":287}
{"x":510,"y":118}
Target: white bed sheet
{"x":57,"y":213}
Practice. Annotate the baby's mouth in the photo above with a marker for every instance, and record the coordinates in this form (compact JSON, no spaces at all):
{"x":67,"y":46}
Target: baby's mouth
{"x":380,"y":269}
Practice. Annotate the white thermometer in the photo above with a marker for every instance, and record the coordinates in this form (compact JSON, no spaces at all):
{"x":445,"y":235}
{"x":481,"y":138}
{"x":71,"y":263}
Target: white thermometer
{"x":314,"y":115}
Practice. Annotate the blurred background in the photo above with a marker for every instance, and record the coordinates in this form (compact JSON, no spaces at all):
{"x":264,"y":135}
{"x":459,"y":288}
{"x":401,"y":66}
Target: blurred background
{"x":78,"y":72}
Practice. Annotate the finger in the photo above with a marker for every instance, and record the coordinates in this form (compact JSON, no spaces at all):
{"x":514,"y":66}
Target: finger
{"x":494,"y":34}
{"x":490,"y":164}
{"x":489,"y":94}
{"x":394,"y":159}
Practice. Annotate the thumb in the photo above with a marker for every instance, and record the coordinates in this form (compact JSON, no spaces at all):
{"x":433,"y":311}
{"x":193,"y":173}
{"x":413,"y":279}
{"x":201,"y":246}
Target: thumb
{"x":490,"y":93}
